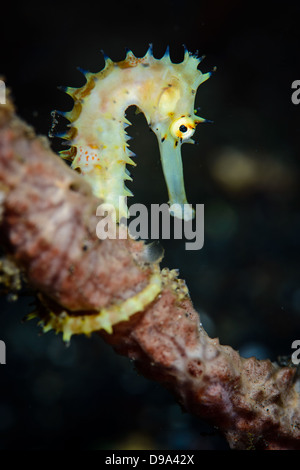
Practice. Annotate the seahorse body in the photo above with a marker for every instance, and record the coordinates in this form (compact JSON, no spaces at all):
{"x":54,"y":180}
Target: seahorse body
{"x":164,"y":92}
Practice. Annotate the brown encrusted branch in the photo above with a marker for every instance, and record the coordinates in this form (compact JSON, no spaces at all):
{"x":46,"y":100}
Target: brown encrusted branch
{"x":48,"y":228}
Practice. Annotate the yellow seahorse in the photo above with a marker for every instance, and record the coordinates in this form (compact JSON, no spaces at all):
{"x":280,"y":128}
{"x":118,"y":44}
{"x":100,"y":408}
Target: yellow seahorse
{"x":165,"y":92}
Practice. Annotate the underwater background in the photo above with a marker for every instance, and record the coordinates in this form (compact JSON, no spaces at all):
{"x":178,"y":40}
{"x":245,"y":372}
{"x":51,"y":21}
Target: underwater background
{"x":245,"y":281}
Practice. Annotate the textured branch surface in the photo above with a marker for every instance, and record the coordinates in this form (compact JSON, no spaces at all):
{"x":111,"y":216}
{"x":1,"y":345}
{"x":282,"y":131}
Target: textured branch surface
{"x":48,"y":228}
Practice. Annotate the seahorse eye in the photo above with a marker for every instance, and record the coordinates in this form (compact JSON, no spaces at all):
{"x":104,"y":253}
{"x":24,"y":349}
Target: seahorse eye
{"x":183,"y":128}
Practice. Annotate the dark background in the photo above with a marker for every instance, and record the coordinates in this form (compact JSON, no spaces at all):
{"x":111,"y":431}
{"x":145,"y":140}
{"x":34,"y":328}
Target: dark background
{"x":245,"y":169}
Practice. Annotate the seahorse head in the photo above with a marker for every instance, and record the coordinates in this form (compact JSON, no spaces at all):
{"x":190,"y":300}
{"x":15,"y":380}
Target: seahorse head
{"x":169,"y":106}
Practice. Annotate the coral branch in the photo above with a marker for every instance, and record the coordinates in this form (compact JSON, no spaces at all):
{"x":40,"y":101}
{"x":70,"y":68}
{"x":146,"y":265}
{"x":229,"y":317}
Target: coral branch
{"x":48,"y":228}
